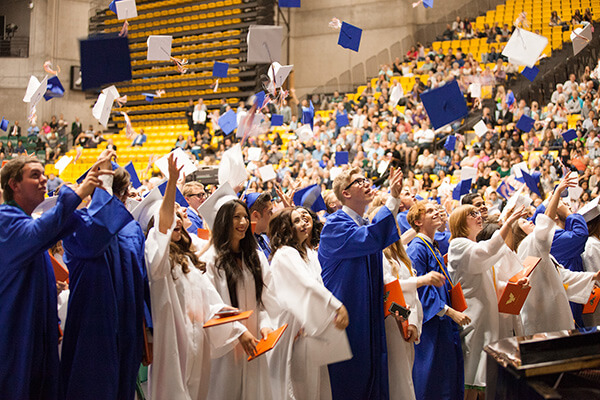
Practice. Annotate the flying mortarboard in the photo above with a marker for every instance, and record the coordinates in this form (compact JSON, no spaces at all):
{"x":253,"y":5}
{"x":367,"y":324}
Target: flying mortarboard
{"x":450,"y":143}
{"x":147,"y":208}
{"x":531,"y":183}
{"x":267,"y":173}
{"x":524,"y":47}
{"x":277,"y":74}
{"x":179,"y":198}
{"x":228,"y":122}
{"x":126,"y":9}
{"x":468,"y":173}
{"x":445,"y":104}
{"x":209,"y":209}
{"x":159,"y":47}
{"x":104,"y":59}
{"x":276,"y":120}
{"x":396,"y":94}
{"x":264,"y":44}
{"x":62,"y":163}
{"x":220,"y":69}
{"x":349,"y":36}
{"x":259,"y":99}
{"x":289,"y":3}
{"x":480,"y":128}
{"x":341,"y":158}
{"x":525,"y":123}
{"x":342,"y":120}
{"x":135,"y":180}
{"x":54,"y":89}
{"x":35,"y":92}
{"x":4,"y":124}
{"x":232,"y":169}
{"x":581,"y":37}
{"x":113,"y":164}
{"x":569,"y":135}
{"x":591,"y":210}
{"x":530,"y":73}
{"x":181,"y":159}
{"x":254,"y":153}
{"x":310,"y":197}
{"x":149,"y":97}
{"x":103,"y":106}
{"x":304,"y":133}
{"x":462,"y":188}
{"x":428,"y":3}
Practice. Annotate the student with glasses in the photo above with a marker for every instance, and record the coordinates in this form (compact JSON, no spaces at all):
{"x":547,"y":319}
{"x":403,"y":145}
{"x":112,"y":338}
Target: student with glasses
{"x":195,"y":195}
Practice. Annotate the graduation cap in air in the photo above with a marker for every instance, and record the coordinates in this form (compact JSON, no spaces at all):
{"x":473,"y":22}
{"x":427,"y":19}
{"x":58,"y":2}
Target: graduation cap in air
{"x":591,"y":210}
{"x":209,"y":209}
{"x":35,"y":91}
{"x":524,"y":47}
{"x":304,"y":133}
{"x":480,"y":128}
{"x":62,"y":163}
{"x":103,"y":106}
{"x":259,"y":99}
{"x":54,"y":89}
{"x":4,"y":124}
{"x":267,"y":173}
{"x":220,"y":69}
{"x":178,"y":195}
{"x":444,"y":104}
{"x":515,"y":201}
{"x":125,"y":9}
{"x":264,"y":44}
{"x":450,"y":143}
{"x":530,"y":73}
{"x":182,"y":160}
{"x":135,"y":180}
{"x":310,"y":197}
{"x":428,"y":3}
{"x":254,"y":153}
{"x":113,"y":164}
{"x":228,"y":122}
{"x":531,"y":182}
{"x":104,"y":59}
{"x":251,"y":199}
{"x":232,"y":169}
{"x":349,"y":36}
{"x":149,"y":97}
{"x":276,"y":120}
{"x":289,"y":3}
{"x":462,"y":188}
{"x":148,"y":208}
{"x":278,"y":74}
{"x":505,"y":190}
{"x":308,"y":115}
{"x":396,"y":94}
{"x":159,"y":47}
{"x":46,"y":205}
{"x":569,"y":135}
{"x":342,"y":120}
{"x":525,"y":123}
{"x":581,"y":37}
{"x":341,"y":158}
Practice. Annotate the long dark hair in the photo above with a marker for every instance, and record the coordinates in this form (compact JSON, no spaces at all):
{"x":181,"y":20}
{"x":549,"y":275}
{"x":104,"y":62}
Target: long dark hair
{"x":315,"y":234}
{"x":282,"y":233}
{"x":227,"y":260}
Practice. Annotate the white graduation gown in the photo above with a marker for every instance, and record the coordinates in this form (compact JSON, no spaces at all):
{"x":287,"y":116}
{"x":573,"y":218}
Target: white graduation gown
{"x":309,"y":310}
{"x":546,"y":308}
{"x":505,"y":268}
{"x":470,"y":264}
{"x":591,"y":263}
{"x":181,"y":304}
{"x":232,"y":376}
{"x":401,"y":354}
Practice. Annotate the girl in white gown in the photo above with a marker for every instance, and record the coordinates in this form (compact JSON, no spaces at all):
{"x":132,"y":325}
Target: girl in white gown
{"x":240,"y":274}
{"x":591,"y":263}
{"x":316,"y":319}
{"x":183,"y":299}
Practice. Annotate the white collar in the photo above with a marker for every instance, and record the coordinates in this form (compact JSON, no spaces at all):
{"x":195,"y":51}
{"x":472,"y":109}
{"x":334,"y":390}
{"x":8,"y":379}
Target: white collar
{"x":353,"y":214}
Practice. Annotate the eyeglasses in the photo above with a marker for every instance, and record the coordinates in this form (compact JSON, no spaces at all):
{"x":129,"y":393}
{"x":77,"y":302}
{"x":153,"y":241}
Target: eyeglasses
{"x":475,"y":214}
{"x":360,"y":181}
{"x":200,"y":195}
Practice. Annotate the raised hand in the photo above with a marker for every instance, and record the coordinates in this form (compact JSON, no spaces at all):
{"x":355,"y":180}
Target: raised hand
{"x":92,"y":180}
{"x":396,"y":182}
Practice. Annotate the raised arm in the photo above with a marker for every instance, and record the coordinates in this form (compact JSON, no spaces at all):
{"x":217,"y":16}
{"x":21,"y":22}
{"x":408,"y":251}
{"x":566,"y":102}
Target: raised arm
{"x":553,"y":203}
{"x":167,"y":208}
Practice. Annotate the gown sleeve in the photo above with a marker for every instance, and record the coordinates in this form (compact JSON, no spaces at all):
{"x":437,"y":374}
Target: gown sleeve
{"x":579,"y":285}
{"x":543,"y":233}
{"x":591,"y":255}
{"x":474,"y":257}
{"x":157,"y":250}
{"x":270,"y":308}
{"x":571,"y":241}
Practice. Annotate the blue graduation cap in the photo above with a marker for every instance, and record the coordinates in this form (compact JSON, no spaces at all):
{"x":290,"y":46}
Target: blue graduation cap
{"x":428,"y":3}
{"x":251,"y":199}
{"x":539,"y":210}
{"x":349,"y":36}
{"x":308,"y":116}
{"x":54,"y":89}
{"x":220,"y":69}
{"x":569,"y":135}
{"x":531,"y":182}
{"x":149,"y":97}
{"x":4,"y":124}
{"x":341,"y":158}
{"x":310,"y":197}
{"x":228,"y":122}
{"x":113,"y":164}
{"x":525,"y":123}
{"x":178,"y":195}
{"x":445,"y":104}
{"x":461,"y":189}
{"x":135,"y":180}
{"x":342,"y":120}
{"x":530,"y":73}
{"x":289,"y":3}
{"x":276,"y":120}
{"x":104,"y":59}
{"x":259,"y":99}
{"x":450,"y":143}
{"x":113,"y":6}
{"x":510,"y":99}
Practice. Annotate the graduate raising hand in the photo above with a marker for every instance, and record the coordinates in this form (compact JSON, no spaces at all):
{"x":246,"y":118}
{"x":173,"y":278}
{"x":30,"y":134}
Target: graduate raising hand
{"x":92,"y":179}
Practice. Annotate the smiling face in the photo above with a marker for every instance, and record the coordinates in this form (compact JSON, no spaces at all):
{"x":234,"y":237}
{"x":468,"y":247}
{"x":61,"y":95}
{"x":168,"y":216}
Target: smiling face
{"x":526,"y":226}
{"x":300,"y":225}
{"x":30,"y":191}
{"x":240,"y":224}
{"x":474,"y":222}
{"x":176,"y":235}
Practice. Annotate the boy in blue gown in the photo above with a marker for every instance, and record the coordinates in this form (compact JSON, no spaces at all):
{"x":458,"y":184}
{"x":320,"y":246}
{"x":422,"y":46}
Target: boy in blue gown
{"x":28,"y":316}
{"x":103,"y":338}
{"x":438,"y":371}
{"x":350,"y":253}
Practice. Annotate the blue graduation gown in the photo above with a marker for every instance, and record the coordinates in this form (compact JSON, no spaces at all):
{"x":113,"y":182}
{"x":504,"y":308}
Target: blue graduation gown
{"x":402,"y":222}
{"x":195,"y":220}
{"x":263,"y":244}
{"x":443,"y":241}
{"x":352,"y":269}
{"x":438,"y":371}
{"x":567,"y":247}
{"x":101,"y":349}
{"x":28,"y":317}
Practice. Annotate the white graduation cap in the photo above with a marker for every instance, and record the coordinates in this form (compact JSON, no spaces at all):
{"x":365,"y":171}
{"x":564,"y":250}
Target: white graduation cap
{"x":396,"y":94}
{"x":46,"y":205}
{"x":518,"y":168}
{"x":581,"y":37}
{"x":468,"y":173}
{"x":126,"y":9}
{"x":591,"y":210}
{"x":278,"y":78}
{"x":208,"y":210}
{"x":475,"y":90}
{"x":132,"y":203}
{"x":159,"y":47}
{"x":524,"y":47}
{"x":147,"y":208}
{"x":267,"y":173}
{"x":335,"y":172}
{"x":515,"y":201}
{"x":101,"y":110}
{"x":254,"y":153}
{"x":304,"y":133}
{"x":181,"y":159}
{"x":62,"y":163}
{"x":575,"y":192}
{"x":251,"y":125}
{"x":264,"y":44}
{"x":480,"y":128}
{"x":35,"y":91}
{"x":231,"y":168}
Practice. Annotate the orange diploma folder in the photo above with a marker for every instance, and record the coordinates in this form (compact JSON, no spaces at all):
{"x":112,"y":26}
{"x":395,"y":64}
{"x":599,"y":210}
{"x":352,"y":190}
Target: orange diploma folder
{"x":457,"y":298}
{"x":269,"y":342}
{"x":393,"y":293}
{"x":513,"y":297}
{"x":592,"y":303}
{"x":225,"y":320}
{"x":203,"y":234}
{"x":60,"y":272}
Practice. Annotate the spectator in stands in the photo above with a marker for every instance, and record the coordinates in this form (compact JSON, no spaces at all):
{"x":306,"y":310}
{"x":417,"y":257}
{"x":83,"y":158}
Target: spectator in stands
{"x":574,"y":103}
{"x":139,"y":139}
{"x":2,"y":151}
{"x":448,"y":34}
{"x":492,"y":56}
{"x":571,"y":84}
{"x":53,"y":123}
{"x":559,"y":91}
{"x":588,"y":16}
{"x":412,"y":54}
{"x":556,"y":21}
{"x":499,"y":71}
{"x":286,"y":112}
{"x":504,"y":116}
{"x":199,"y":116}
{"x":457,"y":26}
{"x":418,"y":88}
{"x":76,"y":129}
{"x":15,"y":130}
{"x":20,"y":149}
{"x":576,"y":18}
{"x":33,"y":130}
{"x":180,"y":142}
{"x":53,"y":182}
{"x":189,"y":114}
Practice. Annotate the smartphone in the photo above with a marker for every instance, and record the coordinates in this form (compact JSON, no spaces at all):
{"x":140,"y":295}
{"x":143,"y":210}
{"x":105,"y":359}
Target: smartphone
{"x":403,"y":311}
{"x":226,"y":313}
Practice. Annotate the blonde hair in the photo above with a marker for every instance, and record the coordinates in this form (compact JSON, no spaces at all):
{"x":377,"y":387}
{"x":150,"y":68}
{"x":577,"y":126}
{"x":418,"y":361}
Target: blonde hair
{"x":458,"y":221}
{"x":189,"y":187}
{"x":394,"y":251}
{"x":342,"y":181}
